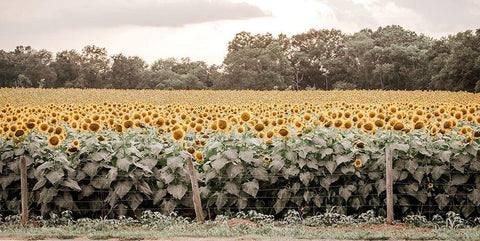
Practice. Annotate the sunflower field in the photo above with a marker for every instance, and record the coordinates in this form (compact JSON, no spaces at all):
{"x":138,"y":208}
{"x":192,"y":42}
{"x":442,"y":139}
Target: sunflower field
{"x":120,"y":152}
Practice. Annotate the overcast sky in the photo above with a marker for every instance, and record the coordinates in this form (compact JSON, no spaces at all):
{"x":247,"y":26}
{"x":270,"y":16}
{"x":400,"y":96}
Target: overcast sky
{"x":201,"y":29}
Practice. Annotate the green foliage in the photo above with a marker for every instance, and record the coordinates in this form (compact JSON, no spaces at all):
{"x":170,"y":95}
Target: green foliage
{"x":312,"y":173}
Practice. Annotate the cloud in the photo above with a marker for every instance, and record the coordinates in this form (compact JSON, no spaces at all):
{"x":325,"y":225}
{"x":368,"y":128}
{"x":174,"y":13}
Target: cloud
{"x":446,"y":15}
{"x":25,"y":16}
{"x":433,"y":17}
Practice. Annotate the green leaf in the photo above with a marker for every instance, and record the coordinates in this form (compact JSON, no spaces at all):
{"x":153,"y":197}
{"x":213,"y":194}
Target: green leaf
{"x":149,"y":163}
{"x":459,"y":162}
{"x":122,"y":188}
{"x":445,"y":156}
{"x":326,"y":152}
{"x":438,"y":171}
{"x":259,"y":173}
{"x":158,"y":196}
{"x":246,"y":156}
{"x":40,"y":183}
{"x":101,"y":155}
{"x":419,"y":173}
{"x":474,"y":196}
{"x":134,"y":200}
{"x":91,"y":168}
{"x":54,"y":176}
{"x":221,"y":200}
{"x":177,"y":191}
{"x":400,"y":147}
{"x":100,"y":182}
{"x":175,"y":162}
{"x":318,"y":200}
{"x":168,"y":206}
{"x":331,"y":166}
{"x":411,"y":165}
{"x":232,"y":188}
{"x":231,"y":154}
{"x":277,"y":163}
{"x":233,"y":170}
{"x":156,"y":148}
{"x":219,"y":164}
{"x":339,"y":159}
{"x":345,"y":193}
{"x":144,"y":188}
{"x":124,"y":163}
{"x":380,"y":185}
{"x":347,"y":170}
{"x":251,"y":188}
{"x":306,"y":178}
{"x":283,"y":197}
{"x":459,"y":179}
{"x":71,"y":184}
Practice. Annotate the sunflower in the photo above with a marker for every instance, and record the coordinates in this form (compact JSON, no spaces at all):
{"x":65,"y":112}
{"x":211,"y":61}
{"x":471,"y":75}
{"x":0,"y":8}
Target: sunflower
{"x":178,"y":135}
{"x":101,"y":138}
{"x":360,"y":145}
{"x":419,"y":125}
{"x":358,"y":163}
{"x":198,"y":156}
{"x":94,"y":127}
{"x":245,"y":116}
{"x":222,"y":124}
{"x":191,"y":150}
{"x":128,"y":124}
{"x":348,"y":124}
{"x":259,"y":127}
{"x":19,"y":133}
{"x":75,"y":143}
{"x":266,"y":159}
{"x":43,"y":127}
{"x":30,"y":125}
{"x":398,"y":126}
{"x":53,"y":141}
{"x":430,"y":185}
{"x":240,"y":129}
{"x":368,"y":127}
{"x":72,"y":150}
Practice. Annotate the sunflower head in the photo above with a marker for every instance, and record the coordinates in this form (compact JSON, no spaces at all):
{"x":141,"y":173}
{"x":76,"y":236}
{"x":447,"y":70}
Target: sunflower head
{"x":191,"y":150}
{"x":198,"y":156}
{"x":358,"y":163}
{"x":178,"y":135}
{"x":266,"y":159}
{"x":75,"y":143}
{"x":72,"y":150}
{"x":245,"y":116}
{"x":101,"y":138}
{"x":94,"y":127}
{"x":53,"y":141}
{"x":19,"y":133}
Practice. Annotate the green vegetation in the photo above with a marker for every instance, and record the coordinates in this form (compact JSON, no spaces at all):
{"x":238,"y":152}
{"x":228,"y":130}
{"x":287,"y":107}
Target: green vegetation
{"x":388,"y":58}
{"x":330,"y":225}
{"x":124,"y":174}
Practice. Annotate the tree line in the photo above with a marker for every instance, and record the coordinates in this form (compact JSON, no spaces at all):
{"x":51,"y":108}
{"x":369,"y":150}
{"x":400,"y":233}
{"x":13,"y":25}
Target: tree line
{"x":390,"y":58}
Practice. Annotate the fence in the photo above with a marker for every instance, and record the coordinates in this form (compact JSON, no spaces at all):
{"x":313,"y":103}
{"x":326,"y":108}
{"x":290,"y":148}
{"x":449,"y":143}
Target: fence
{"x":70,"y":195}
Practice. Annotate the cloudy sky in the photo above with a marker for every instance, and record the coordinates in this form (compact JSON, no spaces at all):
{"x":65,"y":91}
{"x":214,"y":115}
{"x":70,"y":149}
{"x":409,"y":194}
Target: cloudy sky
{"x":201,"y":29}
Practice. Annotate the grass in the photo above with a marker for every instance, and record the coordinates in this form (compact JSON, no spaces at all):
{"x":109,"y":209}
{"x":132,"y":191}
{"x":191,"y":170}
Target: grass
{"x":219,"y":229}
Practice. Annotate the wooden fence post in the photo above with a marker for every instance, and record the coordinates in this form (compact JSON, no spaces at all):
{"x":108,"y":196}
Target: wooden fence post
{"x":389,"y":184}
{"x":24,"y":190}
{"x":197,"y":202}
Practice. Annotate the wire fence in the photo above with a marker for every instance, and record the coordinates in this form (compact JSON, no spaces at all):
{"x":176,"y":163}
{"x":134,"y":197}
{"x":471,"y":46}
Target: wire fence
{"x":307,"y":199}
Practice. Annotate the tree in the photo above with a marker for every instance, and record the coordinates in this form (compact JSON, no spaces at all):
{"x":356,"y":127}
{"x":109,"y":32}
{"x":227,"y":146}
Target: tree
{"x":126,"y":72}
{"x":255,"y":62}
